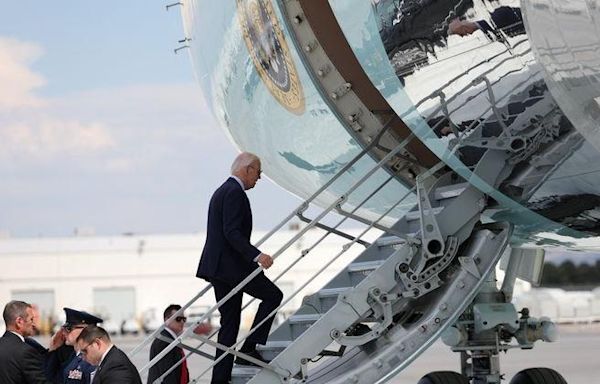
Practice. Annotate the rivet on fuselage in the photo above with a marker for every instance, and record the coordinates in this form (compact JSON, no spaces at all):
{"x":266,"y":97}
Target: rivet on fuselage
{"x":324,"y":70}
{"x":309,"y":47}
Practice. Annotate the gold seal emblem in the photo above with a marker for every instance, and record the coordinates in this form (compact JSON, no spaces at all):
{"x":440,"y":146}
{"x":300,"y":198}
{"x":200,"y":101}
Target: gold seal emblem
{"x":270,"y":53}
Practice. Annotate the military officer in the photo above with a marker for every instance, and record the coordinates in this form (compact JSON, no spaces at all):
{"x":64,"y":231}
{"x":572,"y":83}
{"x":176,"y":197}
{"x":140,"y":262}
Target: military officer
{"x":66,"y":361}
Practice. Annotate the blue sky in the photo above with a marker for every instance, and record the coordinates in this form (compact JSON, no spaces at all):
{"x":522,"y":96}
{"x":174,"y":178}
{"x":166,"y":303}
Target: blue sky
{"x":102,"y":126}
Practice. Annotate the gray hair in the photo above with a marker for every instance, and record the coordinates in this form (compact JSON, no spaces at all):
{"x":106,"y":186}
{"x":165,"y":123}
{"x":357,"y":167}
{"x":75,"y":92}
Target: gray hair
{"x":15,"y":309}
{"x":243,"y":160}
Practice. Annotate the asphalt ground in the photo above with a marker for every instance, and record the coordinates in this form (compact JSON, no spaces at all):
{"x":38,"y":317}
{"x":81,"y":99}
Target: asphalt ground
{"x":576,"y":356}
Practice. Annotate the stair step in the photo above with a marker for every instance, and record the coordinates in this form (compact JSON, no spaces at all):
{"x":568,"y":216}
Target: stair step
{"x":272,"y":348}
{"x":449,"y":191}
{"x":306,"y":318}
{"x":242,"y":374}
{"x":389,"y":241}
{"x":416,"y":214}
{"x":300,"y":323}
{"x":365,"y":266}
{"x":326,"y":292}
{"x":329,"y":296}
{"x":358,"y":271}
{"x":341,"y":316}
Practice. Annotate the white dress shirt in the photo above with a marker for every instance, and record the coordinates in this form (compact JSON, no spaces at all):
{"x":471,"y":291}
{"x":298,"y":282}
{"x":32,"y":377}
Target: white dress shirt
{"x":19,"y":335}
{"x":101,"y":360}
{"x":171,"y":333}
{"x":239,"y":182}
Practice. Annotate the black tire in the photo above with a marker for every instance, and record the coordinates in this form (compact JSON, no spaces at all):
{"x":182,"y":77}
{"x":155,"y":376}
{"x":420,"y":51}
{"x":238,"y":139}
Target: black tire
{"x":443,"y":377}
{"x":538,"y":376}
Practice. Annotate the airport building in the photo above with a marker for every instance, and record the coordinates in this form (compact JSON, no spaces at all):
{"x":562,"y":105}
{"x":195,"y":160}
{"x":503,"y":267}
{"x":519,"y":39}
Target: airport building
{"x":129,"y":279}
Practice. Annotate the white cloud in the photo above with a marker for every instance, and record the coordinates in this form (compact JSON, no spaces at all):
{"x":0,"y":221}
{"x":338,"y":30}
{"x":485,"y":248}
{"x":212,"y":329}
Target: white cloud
{"x":18,"y":80}
{"x":150,"y":123}
{"x":116,"y":129}
{"x":30,"y":131}
{"x":44,"y":137}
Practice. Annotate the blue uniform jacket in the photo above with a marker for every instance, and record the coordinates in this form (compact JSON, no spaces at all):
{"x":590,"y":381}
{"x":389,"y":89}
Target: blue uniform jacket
{"x":77,"y":371}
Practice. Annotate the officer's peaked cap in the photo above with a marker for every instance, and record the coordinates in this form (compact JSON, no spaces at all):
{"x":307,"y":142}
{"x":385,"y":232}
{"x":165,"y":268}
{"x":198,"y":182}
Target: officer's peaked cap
{"x":75,"y":317}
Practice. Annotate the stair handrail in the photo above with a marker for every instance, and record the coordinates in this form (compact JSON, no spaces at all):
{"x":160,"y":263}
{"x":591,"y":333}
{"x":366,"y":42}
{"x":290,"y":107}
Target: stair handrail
{"x":433,"y":94}
{"x":350,"y":215}
{"x":259,"y":269}
{"x":427,"y":173}
{"x":303,"y":206}
{"x":303,"y":253}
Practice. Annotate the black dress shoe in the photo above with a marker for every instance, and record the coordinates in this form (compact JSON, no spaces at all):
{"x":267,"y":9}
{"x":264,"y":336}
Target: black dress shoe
{"x":255,"y":354}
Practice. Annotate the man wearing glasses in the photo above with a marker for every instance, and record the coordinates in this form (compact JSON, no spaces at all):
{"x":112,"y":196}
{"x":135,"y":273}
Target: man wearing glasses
{"x":229,"y":257}
{"x":112,"y":365}
{"x":65,"y":362}
{"x":173,"y":328}
{"x":20,"y":363}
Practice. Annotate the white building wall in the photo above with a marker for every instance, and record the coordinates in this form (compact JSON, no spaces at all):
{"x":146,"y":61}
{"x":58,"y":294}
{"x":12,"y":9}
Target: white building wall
{"x":160,"y":268}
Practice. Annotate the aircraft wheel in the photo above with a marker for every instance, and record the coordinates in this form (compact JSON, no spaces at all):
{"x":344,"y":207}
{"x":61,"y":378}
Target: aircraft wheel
{"x":443,"y":377}
{"x":538,"y":376}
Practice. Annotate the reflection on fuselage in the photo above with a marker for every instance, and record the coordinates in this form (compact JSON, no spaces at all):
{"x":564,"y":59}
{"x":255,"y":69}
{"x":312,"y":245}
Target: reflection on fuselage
{"x":463,"y":70}
{"x":475,"y":57}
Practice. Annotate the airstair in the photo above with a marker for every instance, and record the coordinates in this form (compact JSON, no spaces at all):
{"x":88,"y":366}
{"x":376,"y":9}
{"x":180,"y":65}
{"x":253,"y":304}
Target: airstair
{"x":407,"y":287}
{"x":392,"y":301}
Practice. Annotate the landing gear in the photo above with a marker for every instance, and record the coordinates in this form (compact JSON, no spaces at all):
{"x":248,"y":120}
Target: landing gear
{"x":443,"y":377}
{"x":538,"y":376}
{"x":491,"y":324}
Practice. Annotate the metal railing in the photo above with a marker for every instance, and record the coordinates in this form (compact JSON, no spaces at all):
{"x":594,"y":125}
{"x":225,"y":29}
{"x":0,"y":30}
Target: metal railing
{"x":299,"y":210}
{"x":336,"y":205}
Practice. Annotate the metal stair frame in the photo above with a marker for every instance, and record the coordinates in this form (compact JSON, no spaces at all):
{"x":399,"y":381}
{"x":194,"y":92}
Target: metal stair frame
{"x":352,"y":306}
{"x":314,"y":222}
{"x":337,"y":205}
{"x":301,"y":208}
{"x":308,"y":281}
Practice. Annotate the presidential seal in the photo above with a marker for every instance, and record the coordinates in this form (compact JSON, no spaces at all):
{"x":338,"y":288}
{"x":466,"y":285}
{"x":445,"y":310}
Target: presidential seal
{"x":270,"y":53}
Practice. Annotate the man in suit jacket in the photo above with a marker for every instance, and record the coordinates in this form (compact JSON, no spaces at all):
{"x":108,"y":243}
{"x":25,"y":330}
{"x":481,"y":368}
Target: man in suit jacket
{"x":179,"y":375}
{"x":113,"y":365}
{"x":228,"y":258}
{"x":20,"y":363}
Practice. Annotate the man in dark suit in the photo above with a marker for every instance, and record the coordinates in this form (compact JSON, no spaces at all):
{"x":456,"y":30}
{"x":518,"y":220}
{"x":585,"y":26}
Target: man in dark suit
{"x":179,"y":375}
{"x":113,"y":365}
{"x":20,"y":363}
{"x":228,"y":258}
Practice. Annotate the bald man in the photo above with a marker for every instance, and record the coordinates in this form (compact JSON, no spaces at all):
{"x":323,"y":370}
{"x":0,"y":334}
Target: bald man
{"x":228,"y":258}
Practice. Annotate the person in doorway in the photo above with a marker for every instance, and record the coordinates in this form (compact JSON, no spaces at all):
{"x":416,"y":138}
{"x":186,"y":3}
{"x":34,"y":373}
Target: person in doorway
{"x":506,"y":19}
{"x":113,"y":365}
{"x":20,"y":363}
{"x":228,"y":258}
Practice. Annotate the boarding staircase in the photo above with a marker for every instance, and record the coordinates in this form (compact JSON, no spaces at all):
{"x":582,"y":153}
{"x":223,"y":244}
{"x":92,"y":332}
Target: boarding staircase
{"x":393,"y":300}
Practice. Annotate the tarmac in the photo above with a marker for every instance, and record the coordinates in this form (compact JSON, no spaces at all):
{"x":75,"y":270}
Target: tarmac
{"x":576,"y":356}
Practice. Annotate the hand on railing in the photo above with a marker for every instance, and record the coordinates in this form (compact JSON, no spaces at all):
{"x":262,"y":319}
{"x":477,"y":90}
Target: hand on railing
{"x":265,"y":260}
